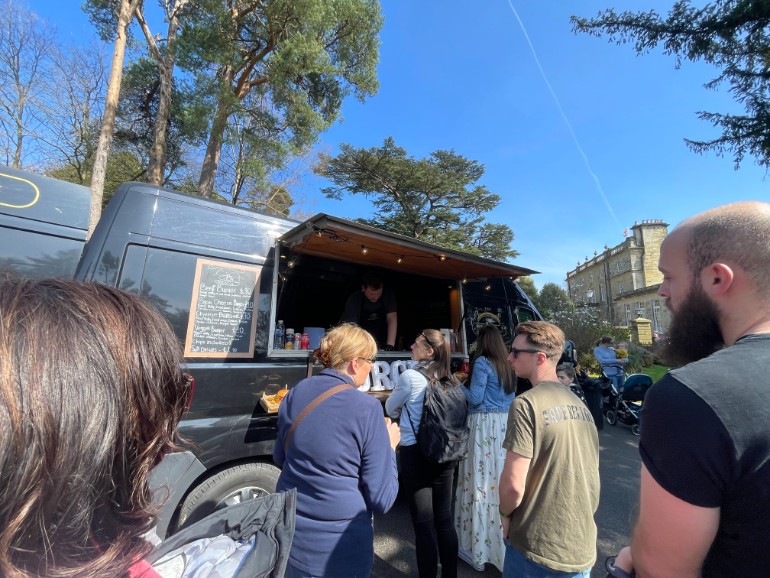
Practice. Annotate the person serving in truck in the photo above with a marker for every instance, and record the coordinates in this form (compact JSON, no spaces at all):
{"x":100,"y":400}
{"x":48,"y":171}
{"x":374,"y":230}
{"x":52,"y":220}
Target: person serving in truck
{"x":374,"y":309}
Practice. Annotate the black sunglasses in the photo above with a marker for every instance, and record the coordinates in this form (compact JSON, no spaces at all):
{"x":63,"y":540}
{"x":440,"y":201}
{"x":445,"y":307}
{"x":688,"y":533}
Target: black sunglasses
{"x":427,"y":340}
{"x":516,"y":352}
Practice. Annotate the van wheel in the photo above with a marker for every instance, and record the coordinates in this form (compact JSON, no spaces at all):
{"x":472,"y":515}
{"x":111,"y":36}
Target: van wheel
{"x":228,"y":487}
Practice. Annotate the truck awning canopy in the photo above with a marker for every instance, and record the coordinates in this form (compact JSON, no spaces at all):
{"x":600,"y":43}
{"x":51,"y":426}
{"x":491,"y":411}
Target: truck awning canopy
{"x":332,"y":237}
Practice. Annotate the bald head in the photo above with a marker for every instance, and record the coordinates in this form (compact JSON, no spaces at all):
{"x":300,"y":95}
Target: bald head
{"x":734,"y":234}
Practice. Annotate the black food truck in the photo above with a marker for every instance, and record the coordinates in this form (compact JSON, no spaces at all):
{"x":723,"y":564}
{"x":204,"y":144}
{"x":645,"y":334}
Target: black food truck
{"x":224,"y":276}
{"x":43,"y":224}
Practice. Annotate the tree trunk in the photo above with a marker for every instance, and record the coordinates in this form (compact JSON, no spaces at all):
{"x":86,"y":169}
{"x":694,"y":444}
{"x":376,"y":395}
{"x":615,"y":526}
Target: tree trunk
{"x":127,"y":8}
{"x":214,"y":147}
{"x":19,"y":138}
{"x":157,"y":164}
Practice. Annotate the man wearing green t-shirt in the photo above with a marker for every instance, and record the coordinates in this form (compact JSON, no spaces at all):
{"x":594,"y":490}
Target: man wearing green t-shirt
{"x":549,"y":488}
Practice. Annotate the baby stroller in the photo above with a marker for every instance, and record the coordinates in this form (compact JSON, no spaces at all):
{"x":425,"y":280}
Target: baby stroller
{"x":626,"y":407}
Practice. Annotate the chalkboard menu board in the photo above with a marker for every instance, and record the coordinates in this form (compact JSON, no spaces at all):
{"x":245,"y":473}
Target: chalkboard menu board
{"x":222,"y":312}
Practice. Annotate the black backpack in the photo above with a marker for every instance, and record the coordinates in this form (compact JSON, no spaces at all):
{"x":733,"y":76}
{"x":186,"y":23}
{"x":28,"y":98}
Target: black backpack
{"x":259,"y":531}
{"x":443,"y":434}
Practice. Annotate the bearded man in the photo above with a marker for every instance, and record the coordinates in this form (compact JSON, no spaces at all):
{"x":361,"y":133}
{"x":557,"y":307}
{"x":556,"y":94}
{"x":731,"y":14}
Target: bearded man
{"x":704,"y":506}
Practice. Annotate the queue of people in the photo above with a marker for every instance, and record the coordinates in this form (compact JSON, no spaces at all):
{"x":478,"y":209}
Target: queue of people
{"x":93,"y":389}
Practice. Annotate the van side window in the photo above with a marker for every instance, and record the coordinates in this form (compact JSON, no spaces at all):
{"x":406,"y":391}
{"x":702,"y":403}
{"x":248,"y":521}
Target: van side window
{"x":165,"y":278}
{"x":525,"y":315}
{"x":43,"y":255}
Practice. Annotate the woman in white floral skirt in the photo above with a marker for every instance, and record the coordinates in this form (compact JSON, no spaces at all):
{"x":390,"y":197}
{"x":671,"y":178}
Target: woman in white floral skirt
{"x":491,"y":391}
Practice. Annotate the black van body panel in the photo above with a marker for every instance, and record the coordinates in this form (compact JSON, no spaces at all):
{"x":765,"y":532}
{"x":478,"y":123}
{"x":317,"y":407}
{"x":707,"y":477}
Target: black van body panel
{"x":43,"y":224}
{"x":149,"y":247}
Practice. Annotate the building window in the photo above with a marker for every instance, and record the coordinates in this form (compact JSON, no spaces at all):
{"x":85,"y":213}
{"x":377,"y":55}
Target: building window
{"x":656,"y":316}
{"x":618,"y":266}
{"x":601,"y":293}
{"x":591,"y":277}
{"x":628,"y":314}
{"x":620,"y":290}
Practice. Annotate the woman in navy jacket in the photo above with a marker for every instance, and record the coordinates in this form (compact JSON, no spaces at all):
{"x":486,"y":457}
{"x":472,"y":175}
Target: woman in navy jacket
{"x":341,"y":458}
{"x":491,"y":391}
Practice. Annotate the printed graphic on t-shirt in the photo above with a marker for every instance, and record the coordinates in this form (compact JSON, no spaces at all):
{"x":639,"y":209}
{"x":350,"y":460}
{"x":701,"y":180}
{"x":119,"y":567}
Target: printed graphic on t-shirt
{"x":559,"y":413}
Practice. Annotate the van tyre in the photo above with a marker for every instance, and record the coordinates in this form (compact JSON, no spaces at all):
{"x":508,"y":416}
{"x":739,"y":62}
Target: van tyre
{"x":228,"y":487}
{"x":612,"y":417}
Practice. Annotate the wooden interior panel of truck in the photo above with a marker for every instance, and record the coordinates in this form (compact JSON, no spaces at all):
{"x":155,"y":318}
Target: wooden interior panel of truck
{"x":332,"y":237}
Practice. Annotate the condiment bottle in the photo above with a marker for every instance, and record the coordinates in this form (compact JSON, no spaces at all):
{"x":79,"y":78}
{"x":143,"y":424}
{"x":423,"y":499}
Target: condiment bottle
{"x":278,"y":337}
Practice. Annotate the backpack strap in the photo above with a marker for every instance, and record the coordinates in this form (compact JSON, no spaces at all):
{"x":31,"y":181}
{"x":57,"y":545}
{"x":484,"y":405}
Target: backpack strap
{"x":406,"y":408}
{"x":431,"y":380}
{"x":310,"y":407}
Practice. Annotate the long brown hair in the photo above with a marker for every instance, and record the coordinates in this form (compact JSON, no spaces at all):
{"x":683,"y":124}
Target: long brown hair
{"x":91,"y":392}
{"x":490,"y":344}
{"x":440,"y":364}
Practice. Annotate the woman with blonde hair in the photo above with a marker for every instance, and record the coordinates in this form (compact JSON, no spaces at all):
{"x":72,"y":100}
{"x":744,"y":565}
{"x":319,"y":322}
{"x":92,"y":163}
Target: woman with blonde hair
{"x":428,"y":484}
{"x":336,"y":449}
{"x":492,"y":389}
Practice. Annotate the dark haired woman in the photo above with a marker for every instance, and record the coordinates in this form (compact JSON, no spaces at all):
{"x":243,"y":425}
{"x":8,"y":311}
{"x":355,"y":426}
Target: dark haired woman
{"x":340,"y":456}
{"x":91,"y":392}
{"x":428,"y":485}
{"x":491,"y":391}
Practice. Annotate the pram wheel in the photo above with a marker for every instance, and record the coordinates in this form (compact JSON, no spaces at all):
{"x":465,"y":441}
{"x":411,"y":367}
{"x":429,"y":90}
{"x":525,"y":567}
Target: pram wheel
{"x":612,"y":417}
{"x":636,"y":429}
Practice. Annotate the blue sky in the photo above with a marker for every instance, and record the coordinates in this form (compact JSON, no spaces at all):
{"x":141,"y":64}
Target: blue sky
{"x":572,"y":174}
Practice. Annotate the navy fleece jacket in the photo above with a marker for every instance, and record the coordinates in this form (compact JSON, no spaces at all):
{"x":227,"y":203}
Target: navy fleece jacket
{"x":344,"y":469}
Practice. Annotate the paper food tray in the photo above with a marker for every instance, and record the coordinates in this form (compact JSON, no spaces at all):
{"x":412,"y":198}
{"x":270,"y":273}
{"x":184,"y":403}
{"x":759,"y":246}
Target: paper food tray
{"x":268,"y":404}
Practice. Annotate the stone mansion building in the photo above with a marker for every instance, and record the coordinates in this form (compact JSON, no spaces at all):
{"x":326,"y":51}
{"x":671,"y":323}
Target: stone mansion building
{"x":622,"y":281}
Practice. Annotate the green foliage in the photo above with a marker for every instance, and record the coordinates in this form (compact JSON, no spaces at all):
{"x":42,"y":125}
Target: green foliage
{"x":638,"y":358}
{"x":103,"y":14}
{"x":285,"y":65}
{"x":121,"y":168}
{"x":656,"y":372}
{"x":276,"y":201}
{"x":527,"y":285}
{"x":434,"y":199}
{"x":551,"y":299}
{"x":587,"y":361}
{"x":732,"y":35}
{"x":139,"y":96}
{"x":583,"y":326}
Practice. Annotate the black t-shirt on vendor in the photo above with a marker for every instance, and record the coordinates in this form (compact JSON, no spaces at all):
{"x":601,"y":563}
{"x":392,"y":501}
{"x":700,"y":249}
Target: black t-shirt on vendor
{"x":371,"y":316}
{"x":706,"y":440}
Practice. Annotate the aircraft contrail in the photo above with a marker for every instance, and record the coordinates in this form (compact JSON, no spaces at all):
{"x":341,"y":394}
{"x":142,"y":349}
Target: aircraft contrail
{"x":591,"y":172}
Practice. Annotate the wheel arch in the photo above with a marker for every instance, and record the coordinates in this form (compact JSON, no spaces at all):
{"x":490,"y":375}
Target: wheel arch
{"x":206,"y":476}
